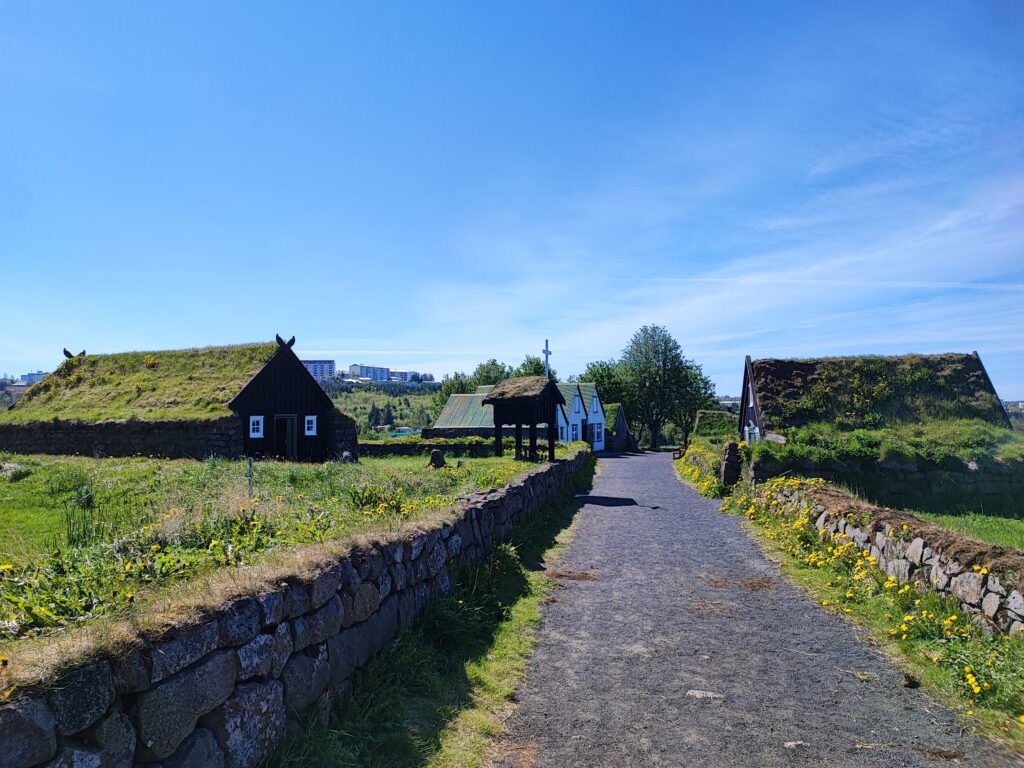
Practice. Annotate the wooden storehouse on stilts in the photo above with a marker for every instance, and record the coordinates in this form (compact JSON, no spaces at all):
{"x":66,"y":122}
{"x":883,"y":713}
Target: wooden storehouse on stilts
{"x":527,"y":401}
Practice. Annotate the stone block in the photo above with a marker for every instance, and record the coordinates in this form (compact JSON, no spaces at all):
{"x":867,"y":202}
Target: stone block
{"x":350,"y":580}
{"x":27,"y":733}
{"x":256,"y":657}
{"x":249,"y":725}
{"x":296,"y":601}
{"x":305,"y":679}
{"x":939,"y":577}
{"x":167,"y":713}
{"x":272,"y":608}
{"x":200,"y":750}
{"x":347,"y":613}
{"x":76,"y":757}
{"x":387,"y":620}
{"x":365,"y":602}
{"x":321,"y":624}
{"x":969,"y":587}
{"x":184,"y":647}
{"x":915,"y":551}
{"x":421,"y":596}
{"x":369,"y":563}
{"x":130,"y":673}
{"x":442,"y":584}
{"x":436,"y":558}
{"x":325,"y":586}
{"x":384,"y":584}
{"x":406,"y":609}
{"x":239,"y":622}
{"x":282,"y":649}
{"x":991,"y":604}
{"x":1015,"y":603}
{"x":114,"y":736}
{"x":994,"y":585}
{"x":81,"y":697}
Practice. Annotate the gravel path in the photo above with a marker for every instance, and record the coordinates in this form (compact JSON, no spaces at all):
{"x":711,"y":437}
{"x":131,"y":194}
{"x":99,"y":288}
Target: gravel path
{"x":676,"y":642}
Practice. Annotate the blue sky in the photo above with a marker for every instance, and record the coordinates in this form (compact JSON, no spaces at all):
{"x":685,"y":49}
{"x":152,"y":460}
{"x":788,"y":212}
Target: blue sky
{"x":426,"y":185}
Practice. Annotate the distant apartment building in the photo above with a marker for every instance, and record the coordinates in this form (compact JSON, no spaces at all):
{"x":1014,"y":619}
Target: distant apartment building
{"x":320,"y":369}
{"x":32,"y":378}
{"x":372,"y":372}
{"x":403,"y":375}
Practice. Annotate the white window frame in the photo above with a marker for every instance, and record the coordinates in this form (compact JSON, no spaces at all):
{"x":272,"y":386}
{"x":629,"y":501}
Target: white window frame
{"x":561,"y":433}
{"x":598,"y":433}
{"x":576,"y":404}
{"x":255,"y":427}
{"x":575,"y":432}
{"x":309,"y":424}
{"x":593,"y":404}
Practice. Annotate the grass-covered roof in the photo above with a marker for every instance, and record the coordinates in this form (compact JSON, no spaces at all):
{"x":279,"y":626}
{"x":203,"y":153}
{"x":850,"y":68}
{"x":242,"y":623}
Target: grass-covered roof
{"x":465,"y":411}
{"x":148,"y":386}
{"x":873,"y":391}
{"x":520,"y":387}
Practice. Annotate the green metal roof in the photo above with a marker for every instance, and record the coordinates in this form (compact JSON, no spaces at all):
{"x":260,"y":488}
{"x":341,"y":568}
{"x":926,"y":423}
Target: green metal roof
{"x":466,"y":411}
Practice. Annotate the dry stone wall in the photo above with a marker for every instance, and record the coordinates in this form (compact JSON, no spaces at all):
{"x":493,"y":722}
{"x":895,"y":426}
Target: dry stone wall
{"x":170,"y":439}
{"x":986,"y":580}
{"x":219,"y":692}
{"x":989,"y":485}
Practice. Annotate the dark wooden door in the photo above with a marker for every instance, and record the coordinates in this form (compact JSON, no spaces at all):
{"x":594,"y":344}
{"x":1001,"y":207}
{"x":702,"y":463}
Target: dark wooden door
{"x":284,"y":437}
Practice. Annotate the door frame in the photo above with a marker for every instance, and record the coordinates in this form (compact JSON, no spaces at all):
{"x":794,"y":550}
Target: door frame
{"x":291,"y":440}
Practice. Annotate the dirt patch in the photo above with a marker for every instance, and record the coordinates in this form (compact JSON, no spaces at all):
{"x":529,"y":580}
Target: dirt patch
{"x":939,"y":753}
{"x":572,"y":575}
{"x":519,"y":755}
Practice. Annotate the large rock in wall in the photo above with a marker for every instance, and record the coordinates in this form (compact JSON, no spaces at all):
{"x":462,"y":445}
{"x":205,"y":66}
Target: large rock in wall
{"x":218,"y":692}
{"x":167,"y":439}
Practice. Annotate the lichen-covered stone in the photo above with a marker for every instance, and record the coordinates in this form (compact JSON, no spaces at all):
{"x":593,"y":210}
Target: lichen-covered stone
{"x":167,"y":713}
{"x":76,"y":757}
{"x":1015,"y":603}
{"x":436,"y":558}
{"x":256,"y":657}
{"x":282,"y":649}
{"x":384,"y":584}
{"x":27,"y":733}
{"x":399,"y":577}
{"x":305,"y":678}
{"x":365,"y":602}
{"x":915,"y":551}
{"x":991,"y":604}
{"x":130,"y":673}
{"x":324,"y":587}
{"x":239,"y":622}
{"x":200,"y":750}
{"x":185,"y":647}
{"x":296,"y":601}
{"x":81,"y":697}
{"x":454,"y":545}
{"x":249,"y":725}
{"x":969,"y":587}
{"x":115,"y":738}
{"x":272,"y":608}
{"x":318,"y":626}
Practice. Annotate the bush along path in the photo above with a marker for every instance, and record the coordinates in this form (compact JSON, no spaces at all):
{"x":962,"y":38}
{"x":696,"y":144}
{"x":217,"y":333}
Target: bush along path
{"x":675,"y":641}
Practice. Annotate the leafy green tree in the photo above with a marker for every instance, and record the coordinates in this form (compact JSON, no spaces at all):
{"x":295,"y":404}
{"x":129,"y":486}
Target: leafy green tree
{"x":533,"y":366}
{"x":387,"y":416}
{"x":456,"y":384}
{"x":660,"y":384}
{"x":610,"y":378}
{"x":697,"y":393}
{"x":373,"y":418}
{"x":490,"y":372}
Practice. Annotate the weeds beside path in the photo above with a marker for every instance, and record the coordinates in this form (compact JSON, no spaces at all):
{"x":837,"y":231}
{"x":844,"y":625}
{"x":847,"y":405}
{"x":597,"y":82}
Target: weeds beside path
{"x":686,"y":646}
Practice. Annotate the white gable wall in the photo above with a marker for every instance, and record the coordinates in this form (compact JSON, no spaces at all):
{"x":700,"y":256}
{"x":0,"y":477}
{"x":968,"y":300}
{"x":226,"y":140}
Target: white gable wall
{"x":570,"y":423}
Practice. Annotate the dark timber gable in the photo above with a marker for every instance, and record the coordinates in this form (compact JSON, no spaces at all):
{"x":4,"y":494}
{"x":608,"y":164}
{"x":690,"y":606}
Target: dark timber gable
{"x":296,"y":413}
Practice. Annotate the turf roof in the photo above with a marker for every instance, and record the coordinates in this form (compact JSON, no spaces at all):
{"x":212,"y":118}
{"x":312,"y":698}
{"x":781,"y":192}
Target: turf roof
{"x":465,"y":411}
{"x":191,"y":384}
{"x":520,"y":387}
{"x":875,"y":390}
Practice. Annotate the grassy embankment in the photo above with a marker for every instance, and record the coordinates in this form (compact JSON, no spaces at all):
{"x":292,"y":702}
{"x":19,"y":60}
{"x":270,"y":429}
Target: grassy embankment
{"x":409,"y":410}
{"x":438,"y":696}
{"x":135,"y":539}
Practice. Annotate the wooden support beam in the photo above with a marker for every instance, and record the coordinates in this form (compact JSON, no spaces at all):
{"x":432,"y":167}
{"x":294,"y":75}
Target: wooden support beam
{"x":533,"y":441}
{"x":551,"y":439}
{"x":497,"y":438}
{"x":519,"y":441}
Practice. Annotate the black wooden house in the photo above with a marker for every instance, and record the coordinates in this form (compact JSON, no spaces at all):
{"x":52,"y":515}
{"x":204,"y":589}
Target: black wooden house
{"x":285,"y":413}
{"x":527,"y":401}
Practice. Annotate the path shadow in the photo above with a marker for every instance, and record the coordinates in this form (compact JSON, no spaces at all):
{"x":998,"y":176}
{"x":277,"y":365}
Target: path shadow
{"x":606,"y":501}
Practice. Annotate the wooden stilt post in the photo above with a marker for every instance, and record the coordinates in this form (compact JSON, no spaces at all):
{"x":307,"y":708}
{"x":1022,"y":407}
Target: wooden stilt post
{"x":551,"y":439}
{"x":519,"y":441}
{"x":533,"y":441}
{"x":497,"y":438}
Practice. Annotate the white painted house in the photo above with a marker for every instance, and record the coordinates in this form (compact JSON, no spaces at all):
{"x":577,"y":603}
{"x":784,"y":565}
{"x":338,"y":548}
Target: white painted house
{"x":582,"y":416}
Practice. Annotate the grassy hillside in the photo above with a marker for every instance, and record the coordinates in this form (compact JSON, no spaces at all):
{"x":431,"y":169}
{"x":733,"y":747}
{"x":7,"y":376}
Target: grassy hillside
{"x":178,"y":384}
{"x":716,"y":424}
{"x":410,"y":410}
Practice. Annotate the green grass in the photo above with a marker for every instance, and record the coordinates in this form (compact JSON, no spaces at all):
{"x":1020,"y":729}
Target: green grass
{"x":177,"y":384}
{"x":90,"y":537}
{"x":1003,"y":531}
{"x":439,"y":694}
{"x":924,"y":632}
{"x":935,"y":441}
{"x":716,"y":424}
